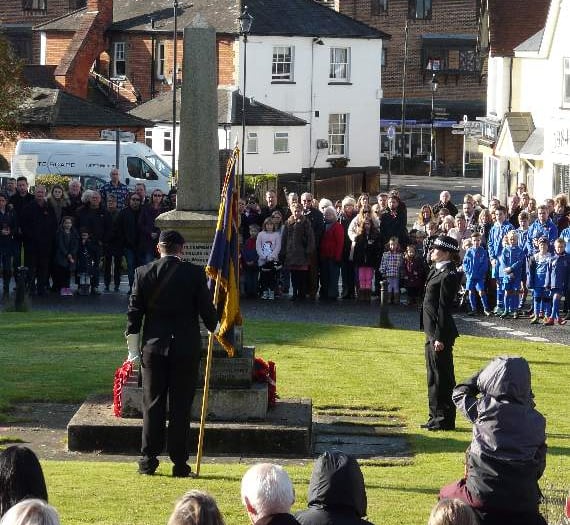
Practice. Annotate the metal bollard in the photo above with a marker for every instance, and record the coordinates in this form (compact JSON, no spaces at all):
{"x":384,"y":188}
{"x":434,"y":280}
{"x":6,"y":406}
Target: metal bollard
{"x":20,"y":303}
{"x":384,"y":298}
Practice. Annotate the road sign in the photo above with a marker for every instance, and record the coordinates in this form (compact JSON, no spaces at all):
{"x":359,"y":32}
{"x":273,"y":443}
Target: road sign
{"x":458,"y":126}
{"x":391,"y":132}
{"x":458,"y":132}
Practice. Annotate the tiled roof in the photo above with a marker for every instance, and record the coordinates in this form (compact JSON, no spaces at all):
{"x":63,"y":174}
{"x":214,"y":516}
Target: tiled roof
{"x":271,"y":17}
{"x":54,"y":107}
{"x":511,"y":22}
{"x":159,"y":109}
{"x":305,"y":18}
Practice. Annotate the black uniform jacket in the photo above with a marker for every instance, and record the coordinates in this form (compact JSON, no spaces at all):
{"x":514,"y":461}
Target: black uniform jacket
{"x":170,"y":295}
{"x":436,"y":320}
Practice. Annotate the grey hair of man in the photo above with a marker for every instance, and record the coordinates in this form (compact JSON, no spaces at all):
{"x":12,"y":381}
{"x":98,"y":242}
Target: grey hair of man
{"x":267,"y":489}
{"x":348,"y":200}
{"x":86,"y":197}
{"x":324,"y":203}
{"x":31,"y":512}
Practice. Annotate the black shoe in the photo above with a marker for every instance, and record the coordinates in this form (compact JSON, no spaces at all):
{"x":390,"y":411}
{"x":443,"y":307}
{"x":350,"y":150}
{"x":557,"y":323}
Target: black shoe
{"x":182,"y":470}
{"x":426,"y":425}
{"x":147,"y":466}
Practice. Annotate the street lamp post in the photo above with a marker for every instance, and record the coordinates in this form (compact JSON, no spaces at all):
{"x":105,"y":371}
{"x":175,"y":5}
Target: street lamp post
{"x":174,"y":81}
{"x":432,"y":159}
{"x":245,"y":20}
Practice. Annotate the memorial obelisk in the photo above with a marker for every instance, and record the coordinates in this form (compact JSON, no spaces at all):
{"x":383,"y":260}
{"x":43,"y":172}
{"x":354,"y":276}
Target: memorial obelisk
{"x":198,"y":194}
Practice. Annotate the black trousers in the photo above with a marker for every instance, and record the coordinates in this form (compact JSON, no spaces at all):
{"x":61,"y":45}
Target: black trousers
{"x":171,"y":377}
{"x":440,"y":383}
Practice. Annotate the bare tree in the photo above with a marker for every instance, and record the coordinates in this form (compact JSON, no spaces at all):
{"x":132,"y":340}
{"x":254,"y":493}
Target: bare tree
{"x":13,"y":90}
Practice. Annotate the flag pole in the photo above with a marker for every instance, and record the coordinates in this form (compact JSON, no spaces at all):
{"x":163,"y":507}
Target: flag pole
{"x":206,"y":388}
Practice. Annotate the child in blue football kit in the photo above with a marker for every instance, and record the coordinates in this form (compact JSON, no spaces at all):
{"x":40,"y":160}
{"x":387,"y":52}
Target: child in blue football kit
{"x":495,"y":248}
{"x":511,"y":263}
{"x":558,"y":280}
{"x":475,"y":267}
{"x":522,"y":233}
{"x":538,"y":280}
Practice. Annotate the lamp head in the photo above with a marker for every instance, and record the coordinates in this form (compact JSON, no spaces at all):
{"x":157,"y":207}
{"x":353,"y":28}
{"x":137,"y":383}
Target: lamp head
{"x":245,"y":20}
{"x":434,"y":83}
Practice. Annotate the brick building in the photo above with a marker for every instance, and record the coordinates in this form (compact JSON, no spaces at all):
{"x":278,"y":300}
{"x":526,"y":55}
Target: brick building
{"x":441,"y":40}
{"x":18,"y":17}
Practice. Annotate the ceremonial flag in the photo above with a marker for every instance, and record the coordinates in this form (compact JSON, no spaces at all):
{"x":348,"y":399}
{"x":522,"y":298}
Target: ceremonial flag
{"x":223,"y":261}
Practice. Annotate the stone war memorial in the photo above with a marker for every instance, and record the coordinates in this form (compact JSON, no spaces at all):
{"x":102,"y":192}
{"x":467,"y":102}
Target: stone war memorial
{"x":239,"y":420}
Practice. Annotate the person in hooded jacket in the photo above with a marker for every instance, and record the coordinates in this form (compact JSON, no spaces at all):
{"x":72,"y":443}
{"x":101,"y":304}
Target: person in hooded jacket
{"x":507,"y":455}
{"x":336,"y":492}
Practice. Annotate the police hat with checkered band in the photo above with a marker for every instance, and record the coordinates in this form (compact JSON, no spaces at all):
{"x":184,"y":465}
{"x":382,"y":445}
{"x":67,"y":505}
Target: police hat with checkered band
{"x":446,"y":243}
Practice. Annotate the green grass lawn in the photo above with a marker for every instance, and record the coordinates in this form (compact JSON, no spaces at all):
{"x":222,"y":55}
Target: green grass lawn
{"x":65,"y":358}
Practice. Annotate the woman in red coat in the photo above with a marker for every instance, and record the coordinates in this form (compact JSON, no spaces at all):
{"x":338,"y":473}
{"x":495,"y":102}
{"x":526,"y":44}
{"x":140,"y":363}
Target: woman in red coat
{"x":330,"y":252}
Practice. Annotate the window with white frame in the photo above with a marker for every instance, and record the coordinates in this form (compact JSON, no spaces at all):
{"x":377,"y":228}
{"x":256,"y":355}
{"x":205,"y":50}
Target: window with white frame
{"x":148,"y":137}
{"x":566,"y":84}
{"x":160,"y":60}
{"x":282,"y":64}
{"x":119,"y":62}
{"x":281,"y":142}
{"x":251,"y":144}
{"x":339,"y":64}
{"x":167,"y":142}
{"x":338,"y":134}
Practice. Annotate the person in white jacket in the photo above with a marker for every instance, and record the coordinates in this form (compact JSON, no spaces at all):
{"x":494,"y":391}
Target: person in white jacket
{"x":268,"y":246}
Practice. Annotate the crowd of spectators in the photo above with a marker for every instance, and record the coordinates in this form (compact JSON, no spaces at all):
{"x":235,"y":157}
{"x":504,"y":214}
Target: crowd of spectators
{"x":307,"y":249}
{"x":360,"y":242}
{"x":60,"y":234}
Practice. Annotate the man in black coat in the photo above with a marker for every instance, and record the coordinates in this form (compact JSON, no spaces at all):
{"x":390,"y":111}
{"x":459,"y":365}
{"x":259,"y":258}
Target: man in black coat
{"x":39,"y":225}
{"x":169,"y":295}
{"x":442,"y":285}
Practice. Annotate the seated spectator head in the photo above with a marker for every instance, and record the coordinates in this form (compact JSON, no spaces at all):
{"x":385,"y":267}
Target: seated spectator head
{"x":452,"y":512}
{"x":21,"y":477}
{"x":266,"y":489}
{"x":196,"y":508}
{"x":336,"y":486}
{"x":31,"y":512}
{"x":324,"y":203}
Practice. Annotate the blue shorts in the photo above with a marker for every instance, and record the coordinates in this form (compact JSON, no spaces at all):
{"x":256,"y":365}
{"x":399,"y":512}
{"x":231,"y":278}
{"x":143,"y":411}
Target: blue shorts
{"x":475,"y":284}
{"x":541,"y":293}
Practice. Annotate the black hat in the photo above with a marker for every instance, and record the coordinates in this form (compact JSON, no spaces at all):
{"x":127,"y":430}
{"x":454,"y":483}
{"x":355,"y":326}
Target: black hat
{"x":446,"y":243}
{"x":170,"y":237}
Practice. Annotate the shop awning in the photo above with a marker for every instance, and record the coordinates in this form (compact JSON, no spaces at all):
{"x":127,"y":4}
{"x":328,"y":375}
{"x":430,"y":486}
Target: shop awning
{"x":418,"y":111}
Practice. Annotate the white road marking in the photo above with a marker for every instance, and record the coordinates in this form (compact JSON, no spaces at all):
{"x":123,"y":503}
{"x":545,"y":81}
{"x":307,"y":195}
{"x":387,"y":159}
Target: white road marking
{"x":485,"y":323}
{"x":537,"y":339}
{"x":501,"y":328}
{"x":411,"y":185}
{"x":519,"y":334}
{"x":469,"y":320}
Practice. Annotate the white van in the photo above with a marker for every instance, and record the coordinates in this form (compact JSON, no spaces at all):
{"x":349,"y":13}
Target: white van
{"x":80,"y":158}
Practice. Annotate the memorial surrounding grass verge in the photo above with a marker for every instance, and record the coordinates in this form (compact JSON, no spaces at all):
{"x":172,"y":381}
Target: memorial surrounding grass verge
{"x":65,"y":358}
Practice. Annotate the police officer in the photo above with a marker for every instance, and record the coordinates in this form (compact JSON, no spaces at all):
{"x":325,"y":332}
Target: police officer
{"x":442,"y":285}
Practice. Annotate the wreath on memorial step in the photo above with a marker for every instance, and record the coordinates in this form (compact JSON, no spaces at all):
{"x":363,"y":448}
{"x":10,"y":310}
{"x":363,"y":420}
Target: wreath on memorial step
{"x":264,"y":372}
{"x":122,"y":375}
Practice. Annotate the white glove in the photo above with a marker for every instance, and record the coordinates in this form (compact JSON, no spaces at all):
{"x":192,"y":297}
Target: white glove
{"x":217,"y":329}
{"x":133,"y":345}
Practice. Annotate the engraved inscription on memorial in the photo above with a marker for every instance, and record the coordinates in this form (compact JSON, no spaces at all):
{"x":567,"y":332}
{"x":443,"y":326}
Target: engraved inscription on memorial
{"x":196,"y":252}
